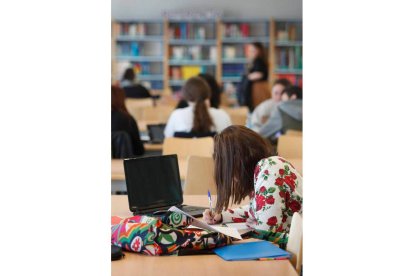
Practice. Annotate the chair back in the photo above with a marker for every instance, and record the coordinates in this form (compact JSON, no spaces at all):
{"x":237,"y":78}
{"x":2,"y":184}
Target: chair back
{"x":295,"y":241}
{"x":121,"y":145}
{"x":260,"y":92}
{"x":185,"y":147}
{"x":135,"y":107}
{"x":289,"y":147}
{"x":238,"y":115}
{"x":159,"y":113}
{"x":200,"y":176}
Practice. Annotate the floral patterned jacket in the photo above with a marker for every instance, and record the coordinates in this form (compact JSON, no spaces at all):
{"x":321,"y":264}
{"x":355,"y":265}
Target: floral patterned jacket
{"x":277,"y":195}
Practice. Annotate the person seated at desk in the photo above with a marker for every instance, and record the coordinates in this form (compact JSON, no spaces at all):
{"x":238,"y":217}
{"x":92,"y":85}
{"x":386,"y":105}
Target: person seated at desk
{"x":215,"y":92}
{"x":198,"y":117}
{"x":122,"y":123}
{"x":244,"y":166}
{"x":132,"y":88}
{"x":287,"y":115}
{"x":262,"y":112}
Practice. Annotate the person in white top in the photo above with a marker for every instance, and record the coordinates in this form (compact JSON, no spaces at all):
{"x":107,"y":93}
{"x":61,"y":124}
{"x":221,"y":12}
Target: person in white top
{"x":262,"y":112}
{"x":198,"y":117}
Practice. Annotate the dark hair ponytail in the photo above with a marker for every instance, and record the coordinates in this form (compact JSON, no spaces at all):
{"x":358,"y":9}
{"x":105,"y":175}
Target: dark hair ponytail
{"x":197,"y":90}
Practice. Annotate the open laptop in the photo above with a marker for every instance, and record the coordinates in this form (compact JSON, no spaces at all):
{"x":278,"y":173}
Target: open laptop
{"x":154,"y":185}
{"x":156,"y":133}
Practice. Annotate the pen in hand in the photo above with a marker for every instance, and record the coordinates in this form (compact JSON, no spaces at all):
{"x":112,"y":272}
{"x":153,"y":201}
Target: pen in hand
{"x":209,"y":201}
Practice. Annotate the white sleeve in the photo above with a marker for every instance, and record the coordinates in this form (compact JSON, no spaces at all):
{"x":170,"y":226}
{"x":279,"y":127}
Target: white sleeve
{"x":170,"y":127}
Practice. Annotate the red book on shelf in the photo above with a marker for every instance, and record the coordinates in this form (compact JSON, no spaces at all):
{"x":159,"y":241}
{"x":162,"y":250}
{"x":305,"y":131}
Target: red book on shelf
{"x":245,"y":29}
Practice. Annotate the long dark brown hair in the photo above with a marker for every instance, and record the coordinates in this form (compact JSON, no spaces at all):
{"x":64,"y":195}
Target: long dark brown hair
{"x":197,"y":90}
{"x":237,"y":150}
{"x":118,"y":100}
{"x":262,"y":53}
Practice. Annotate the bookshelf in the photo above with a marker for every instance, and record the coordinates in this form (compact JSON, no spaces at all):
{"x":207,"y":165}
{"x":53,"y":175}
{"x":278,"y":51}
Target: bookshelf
{"x":164,"y":53}
{"x":139,"y":44}
{"x":192,"y":49}
{"x":287,"y":57}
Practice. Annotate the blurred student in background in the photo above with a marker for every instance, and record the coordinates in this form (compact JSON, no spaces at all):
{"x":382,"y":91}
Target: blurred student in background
{"x":244,"y":166}
{"x":286,"y":115}
{"x":262,"y":112}
{"x":131,"y":87}
{"x":126,"y":141}
{"x":257,"y":71}
{"x":215,"y":92}
{"x":198,"y":118}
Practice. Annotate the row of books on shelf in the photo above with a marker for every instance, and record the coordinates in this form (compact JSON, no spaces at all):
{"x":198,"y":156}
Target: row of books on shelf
{"x":289,"y":58}
{"x":233,"y":70}
{"x":134,"y":29}
{"x":189,"y":31}
{"x":232,"y":30}
{"x":186,"y":72}
{"x":194,"y":53}
{"x":137,"y":49}
{"x":232,"y":52}
{"x":289,"y":32}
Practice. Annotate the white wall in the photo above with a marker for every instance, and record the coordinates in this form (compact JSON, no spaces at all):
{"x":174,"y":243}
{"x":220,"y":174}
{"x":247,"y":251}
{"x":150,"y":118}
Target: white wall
{"x":152,"y":9}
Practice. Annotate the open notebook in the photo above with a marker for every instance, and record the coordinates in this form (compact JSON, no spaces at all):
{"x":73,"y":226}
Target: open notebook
{"x":234,"y":230}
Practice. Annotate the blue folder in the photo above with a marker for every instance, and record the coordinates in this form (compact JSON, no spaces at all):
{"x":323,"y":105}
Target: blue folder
{"x":251,"y":251}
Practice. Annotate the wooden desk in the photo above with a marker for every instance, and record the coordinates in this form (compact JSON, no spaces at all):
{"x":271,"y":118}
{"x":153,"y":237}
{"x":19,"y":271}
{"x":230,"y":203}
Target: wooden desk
{"x":117,"y":169}
{"x":153,"y":147}
{"x":137,"y":264}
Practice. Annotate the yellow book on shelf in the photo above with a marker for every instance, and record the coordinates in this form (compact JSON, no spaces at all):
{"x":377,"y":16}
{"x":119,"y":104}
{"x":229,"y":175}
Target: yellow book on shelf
{"x":190,"y":71}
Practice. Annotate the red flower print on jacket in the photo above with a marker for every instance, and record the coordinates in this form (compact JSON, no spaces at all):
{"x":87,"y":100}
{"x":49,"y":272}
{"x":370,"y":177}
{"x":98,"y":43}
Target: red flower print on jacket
{"x":290,"y":182}
{"x":230,"y":211}
{"x":238,"y":220}
{"x":281,"y":171}
{"x":284,"y":218}
{"x":280,"y":228}
{"x":260,"y":202}
{"x":270,"y":200}
{"x":293,"y":175}
{"x":287,"y":197}
{"x":262,"y":189}
{"x":272,"y":221}
{"x":294,"y":206}
{"x":279,"y":181}
{"x":282,"y":194}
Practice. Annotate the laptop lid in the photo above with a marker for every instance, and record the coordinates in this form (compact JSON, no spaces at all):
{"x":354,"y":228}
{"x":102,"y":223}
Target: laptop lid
{"x":156,"y":133}
{"x":153,"y":182}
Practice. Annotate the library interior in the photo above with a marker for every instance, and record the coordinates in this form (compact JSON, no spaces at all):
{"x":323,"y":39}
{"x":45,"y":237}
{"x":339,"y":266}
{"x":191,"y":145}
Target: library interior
{"x":206,"y":137}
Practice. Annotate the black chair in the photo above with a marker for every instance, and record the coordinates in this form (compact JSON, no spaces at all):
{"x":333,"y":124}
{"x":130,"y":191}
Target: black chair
{"x":121,"y":145}
{"x":182,"y":134}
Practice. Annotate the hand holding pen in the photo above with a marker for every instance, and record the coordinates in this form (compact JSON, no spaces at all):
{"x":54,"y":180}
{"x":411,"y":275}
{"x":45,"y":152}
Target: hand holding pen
{"x":209,"y":216}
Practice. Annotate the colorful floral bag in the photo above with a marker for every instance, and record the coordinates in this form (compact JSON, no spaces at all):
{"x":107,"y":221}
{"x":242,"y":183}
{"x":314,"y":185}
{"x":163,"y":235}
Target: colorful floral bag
{"x":163,"y":236}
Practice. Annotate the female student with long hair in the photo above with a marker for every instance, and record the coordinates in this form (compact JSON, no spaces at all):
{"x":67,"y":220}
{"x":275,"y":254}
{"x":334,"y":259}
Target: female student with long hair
{"x":257,"y":71}
{"x":244,"y":166}
{"x":121,"y":120}
{"x":198,"y":117}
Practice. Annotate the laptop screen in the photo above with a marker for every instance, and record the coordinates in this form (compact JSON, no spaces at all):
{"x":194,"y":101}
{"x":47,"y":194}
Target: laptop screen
{"x":153,"y":182}
{"x":156,"y":132}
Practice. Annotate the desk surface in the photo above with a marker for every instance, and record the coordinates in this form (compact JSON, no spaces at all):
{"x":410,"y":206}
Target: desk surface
{"x":117,"y":169}
{"x":137,"y":264}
